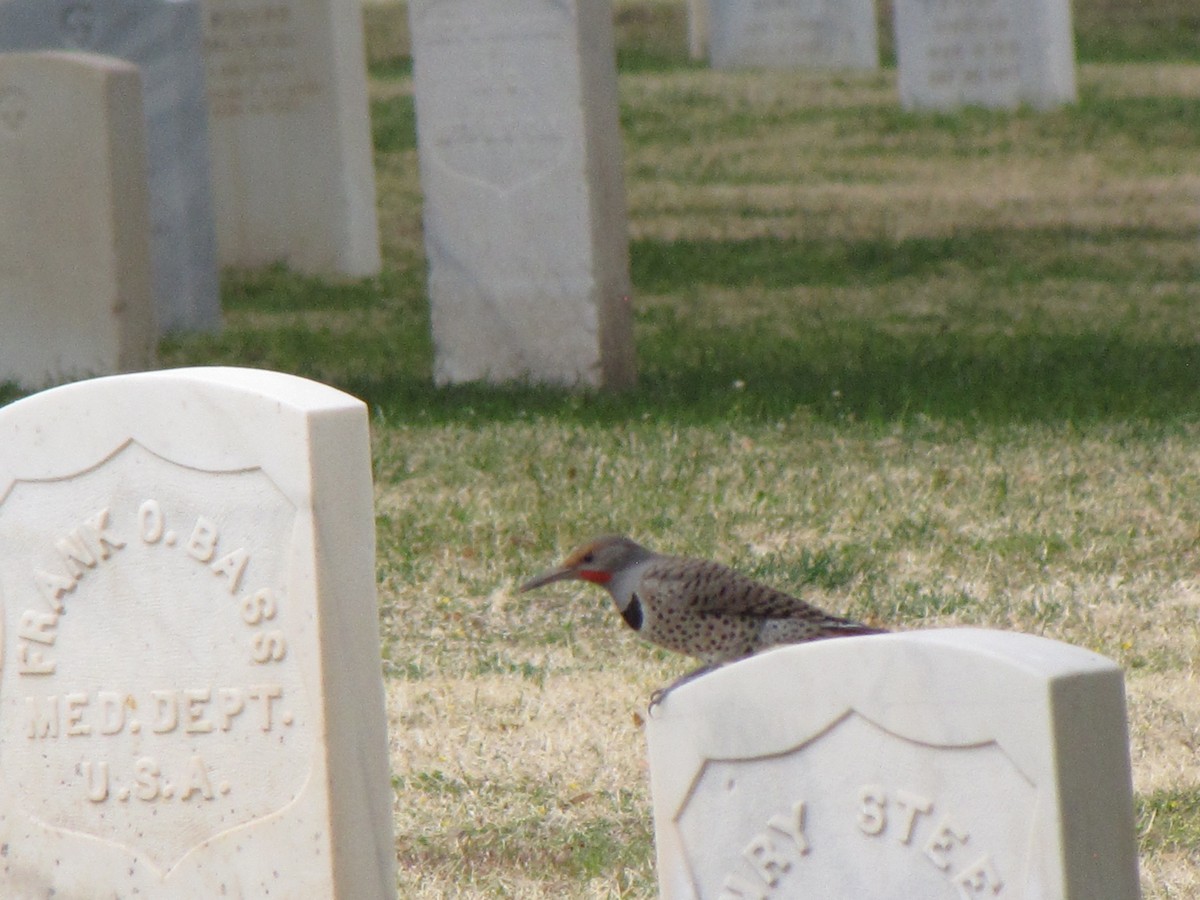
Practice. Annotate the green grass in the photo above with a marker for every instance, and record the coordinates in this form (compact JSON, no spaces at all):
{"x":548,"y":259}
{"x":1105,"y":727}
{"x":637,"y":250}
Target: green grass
{"x":996,"y":258}
{"x":1139,"y":34}
{"x":1170,"y":820}
{"x":393,"y":121}
{"x":973,"y":359}
{"x":928,"y":369}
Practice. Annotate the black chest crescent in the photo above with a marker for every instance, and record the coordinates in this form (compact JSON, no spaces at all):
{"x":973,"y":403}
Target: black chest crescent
{"x":632,"y":614}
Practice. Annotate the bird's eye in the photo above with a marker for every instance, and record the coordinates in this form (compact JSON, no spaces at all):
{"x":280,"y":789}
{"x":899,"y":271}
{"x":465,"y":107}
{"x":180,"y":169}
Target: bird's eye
{"x":589,"y":558}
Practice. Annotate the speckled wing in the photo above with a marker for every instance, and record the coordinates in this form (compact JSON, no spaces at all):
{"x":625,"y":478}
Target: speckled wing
{"x":709,"y":588}
{"x":704,"y":586}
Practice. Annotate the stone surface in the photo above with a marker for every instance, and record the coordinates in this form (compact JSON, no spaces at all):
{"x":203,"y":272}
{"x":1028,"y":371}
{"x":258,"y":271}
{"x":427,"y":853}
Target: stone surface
{"x":952,"y":764}
{"x":520,"y":154}
{"x":75,"y":283}
{"x":991,"y":53}
{"x":162,"y":37}
{"x":191,"y":703}
{"x":793,"y":34}
{"x":292,"y":173}
{"x":697,"y":17}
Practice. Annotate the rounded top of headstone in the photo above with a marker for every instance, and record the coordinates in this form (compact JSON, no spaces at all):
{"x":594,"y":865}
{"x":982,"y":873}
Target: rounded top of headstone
{"x":213,"y":418}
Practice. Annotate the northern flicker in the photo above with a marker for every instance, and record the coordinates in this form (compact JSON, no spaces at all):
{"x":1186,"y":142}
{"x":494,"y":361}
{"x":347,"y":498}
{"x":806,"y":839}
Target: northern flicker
{"x":695,"y":606}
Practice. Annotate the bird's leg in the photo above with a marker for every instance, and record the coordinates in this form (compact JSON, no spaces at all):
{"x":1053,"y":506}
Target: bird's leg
{"x":661,"y":694}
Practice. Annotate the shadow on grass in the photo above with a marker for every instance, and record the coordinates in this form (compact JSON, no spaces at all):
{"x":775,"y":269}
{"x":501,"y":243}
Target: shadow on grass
{"x":853,"y":367}
{"x":371,"y":338}
{"x":881,"y":379}
{"x":1006,"y":257}
{"x":701,"y":376}
{"x":1166,"y":35}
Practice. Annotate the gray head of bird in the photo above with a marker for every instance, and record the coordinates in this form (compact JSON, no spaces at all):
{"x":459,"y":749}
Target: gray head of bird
{"x":601,"y":561}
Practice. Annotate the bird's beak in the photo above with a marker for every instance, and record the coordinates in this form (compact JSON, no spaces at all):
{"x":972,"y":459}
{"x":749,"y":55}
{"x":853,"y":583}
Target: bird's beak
{"x":547,"y":577}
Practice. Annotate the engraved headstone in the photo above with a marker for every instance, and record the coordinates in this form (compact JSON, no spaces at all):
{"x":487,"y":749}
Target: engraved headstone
{"x":990,"y":53}
{"x":292,"y":173}
{"x":793,"y":34}
{"x":941,"y":765}
{"x":190,"y":695}
{"x":75,"y":284}
{"x":161,"y":37}
{"x":520,"y":155}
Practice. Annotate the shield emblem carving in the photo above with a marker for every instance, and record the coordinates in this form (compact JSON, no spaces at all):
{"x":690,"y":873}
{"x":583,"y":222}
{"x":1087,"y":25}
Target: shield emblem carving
{"x":150,"y":696}
{"x":859,"y":811}
{"x":504,"y":74}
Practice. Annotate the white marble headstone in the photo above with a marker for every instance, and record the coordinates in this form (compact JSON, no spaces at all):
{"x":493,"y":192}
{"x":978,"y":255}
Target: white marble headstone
{"x":290,"y":131}
{"x":940,"y":765}
{"x":793,"y":34}
{"x":190,"y":694}
{"x":162,"y":38}
{"x":520,"y":155}
{"x":75,"y":282}
{"x":991,"y":53}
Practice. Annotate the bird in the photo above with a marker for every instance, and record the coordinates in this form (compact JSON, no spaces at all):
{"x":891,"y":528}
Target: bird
{"x":696,"y":607}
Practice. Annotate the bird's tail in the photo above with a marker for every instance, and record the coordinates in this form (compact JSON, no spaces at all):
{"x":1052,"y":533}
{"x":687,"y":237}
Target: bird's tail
{"x":850,"y":628}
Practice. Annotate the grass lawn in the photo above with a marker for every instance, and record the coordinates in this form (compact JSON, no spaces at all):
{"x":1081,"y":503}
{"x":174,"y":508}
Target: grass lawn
{"x":927,"y":369}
